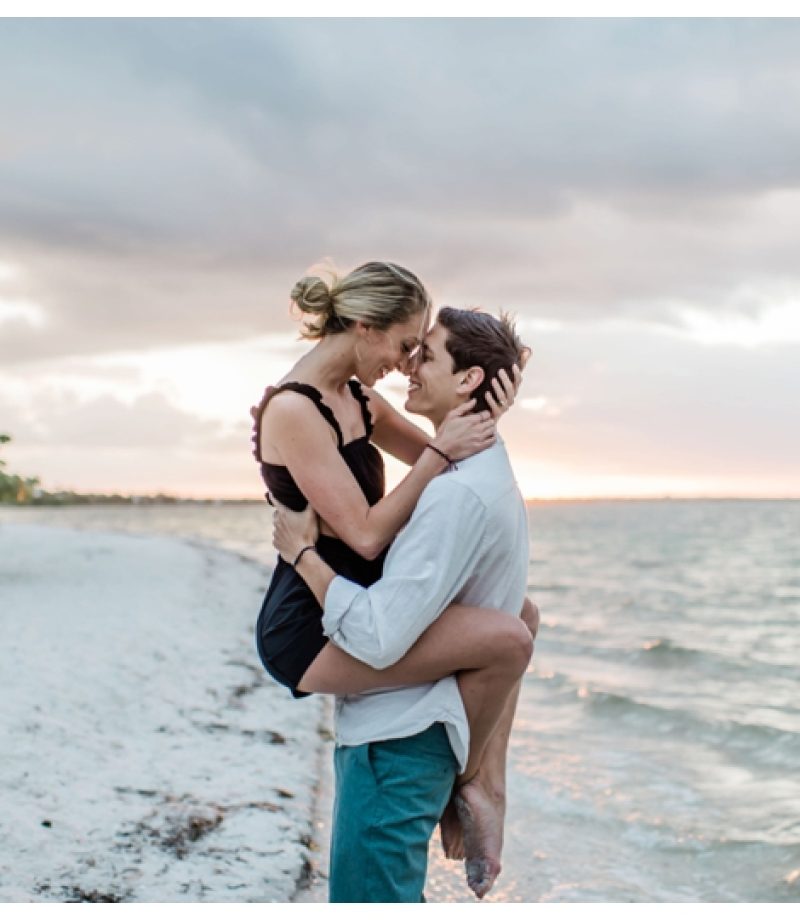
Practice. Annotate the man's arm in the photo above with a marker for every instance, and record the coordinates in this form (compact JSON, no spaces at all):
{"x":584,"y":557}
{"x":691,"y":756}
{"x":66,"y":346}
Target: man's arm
{"x":317,"y":574}
{"x":427,"y":565}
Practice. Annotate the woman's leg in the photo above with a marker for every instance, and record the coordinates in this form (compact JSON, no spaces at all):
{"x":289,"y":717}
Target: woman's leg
{"x":470,"y":683}
{"x":472,"y":826}
{"x":491,"y":775}
{"x":490,"y":648}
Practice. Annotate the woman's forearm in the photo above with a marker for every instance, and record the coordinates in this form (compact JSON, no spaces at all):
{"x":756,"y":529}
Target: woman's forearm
{"x":385,"y":518}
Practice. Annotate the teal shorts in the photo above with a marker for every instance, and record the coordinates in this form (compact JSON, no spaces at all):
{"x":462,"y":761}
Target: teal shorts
{"x":389,"y":798}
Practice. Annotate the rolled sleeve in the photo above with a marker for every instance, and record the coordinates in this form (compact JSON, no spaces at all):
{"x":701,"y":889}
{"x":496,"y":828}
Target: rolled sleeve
{"x":426,"y":567}
{"x":341,"y":596}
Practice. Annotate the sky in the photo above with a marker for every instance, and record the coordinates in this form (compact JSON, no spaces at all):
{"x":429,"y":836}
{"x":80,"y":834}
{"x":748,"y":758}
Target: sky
{"x":630,"y":189}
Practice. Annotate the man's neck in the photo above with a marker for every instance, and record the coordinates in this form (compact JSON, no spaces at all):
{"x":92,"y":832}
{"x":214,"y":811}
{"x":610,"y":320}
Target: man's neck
{"x":438,"y":421}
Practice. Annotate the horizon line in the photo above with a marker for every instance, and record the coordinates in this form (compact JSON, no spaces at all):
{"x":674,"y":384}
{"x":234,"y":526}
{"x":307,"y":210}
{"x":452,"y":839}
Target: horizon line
{"x":530,"y":499}
{"x":157,"y":495}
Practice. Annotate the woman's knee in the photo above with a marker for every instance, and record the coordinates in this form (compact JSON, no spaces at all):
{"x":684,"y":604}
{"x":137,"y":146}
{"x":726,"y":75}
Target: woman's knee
{"x":515,"y":644}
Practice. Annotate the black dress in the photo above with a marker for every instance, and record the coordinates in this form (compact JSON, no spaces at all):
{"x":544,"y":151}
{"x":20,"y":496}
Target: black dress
{"x":289,"y":631}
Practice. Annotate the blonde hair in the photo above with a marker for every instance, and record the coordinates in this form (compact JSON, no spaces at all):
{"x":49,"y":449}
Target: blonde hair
{"x":378,"y":294}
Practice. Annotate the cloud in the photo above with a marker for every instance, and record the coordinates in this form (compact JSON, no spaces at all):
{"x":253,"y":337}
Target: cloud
{"x":149,"y":421}
{"x":630,"y":399}
{"x":163,"y":184}
{"x":167,"y":181}
{"x":21,"y":313}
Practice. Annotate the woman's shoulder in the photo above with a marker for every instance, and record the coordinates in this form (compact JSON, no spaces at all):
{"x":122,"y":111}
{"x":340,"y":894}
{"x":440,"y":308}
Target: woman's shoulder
{"x":298,"y":409}
{"x":290,"y":397}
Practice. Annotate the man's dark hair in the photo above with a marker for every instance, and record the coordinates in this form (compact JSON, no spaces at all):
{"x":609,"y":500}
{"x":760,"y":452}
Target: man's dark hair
{"x":478,"y":338}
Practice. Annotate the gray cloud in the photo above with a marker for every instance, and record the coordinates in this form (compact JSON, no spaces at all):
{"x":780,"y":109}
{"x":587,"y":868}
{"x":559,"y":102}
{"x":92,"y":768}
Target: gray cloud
{"x":166,"y":181}
{"x":149,"y":422}
{"x":635,"y":400}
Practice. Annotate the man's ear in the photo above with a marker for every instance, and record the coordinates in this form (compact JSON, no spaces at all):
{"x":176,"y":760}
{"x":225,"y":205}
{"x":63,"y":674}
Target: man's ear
{"x":469,"y":380}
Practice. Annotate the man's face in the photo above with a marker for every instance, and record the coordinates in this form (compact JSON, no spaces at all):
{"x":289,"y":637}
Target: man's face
{"x":434,"y":388}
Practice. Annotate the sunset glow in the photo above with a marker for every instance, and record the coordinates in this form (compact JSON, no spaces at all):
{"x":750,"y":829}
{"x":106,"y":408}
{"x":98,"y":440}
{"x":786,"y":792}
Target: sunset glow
{"x":629,"y":189}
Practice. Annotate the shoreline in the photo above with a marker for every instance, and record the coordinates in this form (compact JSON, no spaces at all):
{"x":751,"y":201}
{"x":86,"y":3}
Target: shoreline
{"x":312,"y":887}
{"x":151,"y":757}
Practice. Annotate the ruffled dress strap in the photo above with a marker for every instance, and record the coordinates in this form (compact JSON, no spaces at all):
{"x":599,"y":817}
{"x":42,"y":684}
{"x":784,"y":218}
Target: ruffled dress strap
{"x":358,"y":393}
{"x":304,"y":389}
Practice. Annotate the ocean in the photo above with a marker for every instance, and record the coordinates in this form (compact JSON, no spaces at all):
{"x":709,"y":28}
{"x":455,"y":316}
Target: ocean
{"x":656,"y":751}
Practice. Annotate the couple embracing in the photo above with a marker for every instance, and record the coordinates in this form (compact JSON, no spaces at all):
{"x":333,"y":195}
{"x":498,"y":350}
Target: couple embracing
{"x":409,"y":606}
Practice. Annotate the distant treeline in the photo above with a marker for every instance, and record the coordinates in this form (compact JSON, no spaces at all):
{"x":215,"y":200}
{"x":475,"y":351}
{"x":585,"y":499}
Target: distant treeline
{"x":15,"y":490}
{"x":21,"y":490}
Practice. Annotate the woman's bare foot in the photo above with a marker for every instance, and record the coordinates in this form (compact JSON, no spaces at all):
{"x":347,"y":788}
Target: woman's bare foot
{"x":481,"y":816}
{"x":451,"y":832}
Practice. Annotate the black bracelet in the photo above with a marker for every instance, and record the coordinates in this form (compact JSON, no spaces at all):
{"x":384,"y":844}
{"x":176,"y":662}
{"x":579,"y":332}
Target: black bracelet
{"x":300,"y":554}
{"x":443,"y":455}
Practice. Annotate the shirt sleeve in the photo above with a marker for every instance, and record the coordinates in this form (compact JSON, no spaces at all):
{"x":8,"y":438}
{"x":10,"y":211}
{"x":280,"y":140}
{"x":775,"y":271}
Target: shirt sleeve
{"x":427,"y":565}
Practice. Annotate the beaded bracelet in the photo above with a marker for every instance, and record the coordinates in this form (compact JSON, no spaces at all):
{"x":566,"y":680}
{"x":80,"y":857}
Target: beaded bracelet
{"x":443,"y":455}
{"x":300,"y":554}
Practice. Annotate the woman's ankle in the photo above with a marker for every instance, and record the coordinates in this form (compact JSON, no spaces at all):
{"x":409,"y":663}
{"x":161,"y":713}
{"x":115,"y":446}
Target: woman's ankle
{"x":494,"y":788}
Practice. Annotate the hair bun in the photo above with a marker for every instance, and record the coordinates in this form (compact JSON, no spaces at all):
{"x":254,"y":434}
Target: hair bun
{"x":312,"y":295}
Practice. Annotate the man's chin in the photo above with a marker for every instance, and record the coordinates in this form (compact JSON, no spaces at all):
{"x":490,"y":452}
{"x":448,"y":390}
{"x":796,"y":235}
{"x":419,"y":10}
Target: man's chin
{"x":413,"y":405}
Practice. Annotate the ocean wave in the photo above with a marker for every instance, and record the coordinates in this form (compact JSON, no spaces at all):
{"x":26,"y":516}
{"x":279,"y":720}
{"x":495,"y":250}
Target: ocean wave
{"x":548,"y":588}
{"x":751,"y":740}
{"x":664,"y":653}
{"x":764,"y":744}
{"x":668,"y":650}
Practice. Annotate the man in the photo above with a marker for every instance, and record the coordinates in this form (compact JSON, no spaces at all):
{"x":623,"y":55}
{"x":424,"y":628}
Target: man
{"x":399,"y":750}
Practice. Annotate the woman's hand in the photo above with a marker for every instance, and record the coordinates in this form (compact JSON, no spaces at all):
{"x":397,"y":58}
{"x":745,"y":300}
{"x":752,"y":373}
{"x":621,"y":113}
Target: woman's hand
{"x":464,"y":432}
{"x":505,"y":390}
{"x":292,"y":530}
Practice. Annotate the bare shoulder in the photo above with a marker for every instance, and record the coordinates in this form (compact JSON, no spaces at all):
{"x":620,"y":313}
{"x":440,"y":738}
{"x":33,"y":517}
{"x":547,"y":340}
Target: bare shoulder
{"x":288,"y":406}
{"x":291,"y":418}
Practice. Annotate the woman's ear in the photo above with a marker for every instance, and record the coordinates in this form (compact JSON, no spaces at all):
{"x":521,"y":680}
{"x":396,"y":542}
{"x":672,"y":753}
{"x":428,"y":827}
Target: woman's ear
{"x":470,"y":379}
{"x":365,"y":332}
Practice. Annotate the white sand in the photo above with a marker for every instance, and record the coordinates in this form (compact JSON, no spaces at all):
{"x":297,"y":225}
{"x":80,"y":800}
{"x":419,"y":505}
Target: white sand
{"x":145,"y":755}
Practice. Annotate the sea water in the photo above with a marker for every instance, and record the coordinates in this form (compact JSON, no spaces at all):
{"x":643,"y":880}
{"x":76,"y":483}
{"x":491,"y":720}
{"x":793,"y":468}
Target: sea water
{"x":656,"y":750}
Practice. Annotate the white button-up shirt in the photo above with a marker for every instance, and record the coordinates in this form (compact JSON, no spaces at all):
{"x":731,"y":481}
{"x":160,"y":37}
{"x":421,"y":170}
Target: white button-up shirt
{"x":466,"y":543}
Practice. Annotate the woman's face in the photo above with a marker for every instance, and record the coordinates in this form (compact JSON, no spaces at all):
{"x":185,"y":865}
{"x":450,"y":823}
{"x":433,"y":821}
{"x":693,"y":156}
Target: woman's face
{"x":390,"y":349}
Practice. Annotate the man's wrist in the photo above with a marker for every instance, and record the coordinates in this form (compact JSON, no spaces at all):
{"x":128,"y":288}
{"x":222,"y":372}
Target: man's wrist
{"x":316,"y":573}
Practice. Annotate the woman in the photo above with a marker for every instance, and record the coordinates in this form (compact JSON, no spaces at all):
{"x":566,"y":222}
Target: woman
{"x":314,"y":438}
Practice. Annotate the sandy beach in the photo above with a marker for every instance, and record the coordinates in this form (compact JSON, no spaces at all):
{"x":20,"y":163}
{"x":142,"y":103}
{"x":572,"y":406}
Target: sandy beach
{"x":146,"y":756}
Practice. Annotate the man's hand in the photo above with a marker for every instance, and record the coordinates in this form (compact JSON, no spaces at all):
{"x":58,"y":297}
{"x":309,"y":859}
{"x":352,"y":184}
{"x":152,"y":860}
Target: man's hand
{"x":464,"y":432}
{"x":292,"y":530}
{"x":505,"y":390}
